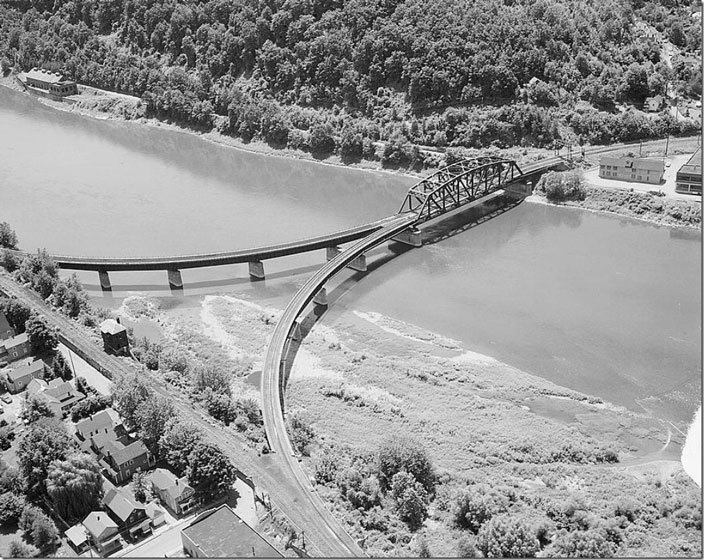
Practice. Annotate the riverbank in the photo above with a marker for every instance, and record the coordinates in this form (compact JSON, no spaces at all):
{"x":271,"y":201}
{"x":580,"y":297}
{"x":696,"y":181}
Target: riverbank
{"x":643,"y":206}
{"x":363,"y":376}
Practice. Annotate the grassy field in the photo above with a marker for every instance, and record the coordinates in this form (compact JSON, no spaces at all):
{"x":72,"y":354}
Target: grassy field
{"x":366,"y":377}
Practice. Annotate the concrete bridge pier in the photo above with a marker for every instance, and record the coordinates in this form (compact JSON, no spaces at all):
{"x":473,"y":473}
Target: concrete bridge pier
{"x":256,"y":270}
{"x":359,"y":264}
{"x":521,"y":189}
{"x":105,"y":280}
{"x":321,"y":298}
{"x":175,"y":280}
{"x":296,"y":331}
{"x":411,"y":236}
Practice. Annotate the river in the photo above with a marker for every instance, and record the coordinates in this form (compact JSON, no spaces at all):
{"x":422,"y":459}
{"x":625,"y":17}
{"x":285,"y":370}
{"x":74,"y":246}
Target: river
{"x":601,"y":304}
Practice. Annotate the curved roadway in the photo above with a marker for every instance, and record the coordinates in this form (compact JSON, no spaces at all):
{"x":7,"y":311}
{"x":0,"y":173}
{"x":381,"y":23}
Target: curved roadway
{"x":271,"y":384}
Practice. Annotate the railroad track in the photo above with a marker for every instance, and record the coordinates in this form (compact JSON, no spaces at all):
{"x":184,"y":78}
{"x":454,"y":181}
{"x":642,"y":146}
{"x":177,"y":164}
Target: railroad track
{"x":268,"y":472}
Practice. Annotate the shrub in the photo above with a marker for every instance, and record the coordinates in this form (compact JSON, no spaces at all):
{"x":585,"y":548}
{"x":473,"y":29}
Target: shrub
{"x":564,"y":185}
{"x":466,"y":548}
{"x":581,"y":544}
{"x":398,"y":454}
{"x":301,"y":433}
{"x":505,"y":536}
{"x":411,"y":499}
{"x":477,"y":504}
{"x":18,"y":549}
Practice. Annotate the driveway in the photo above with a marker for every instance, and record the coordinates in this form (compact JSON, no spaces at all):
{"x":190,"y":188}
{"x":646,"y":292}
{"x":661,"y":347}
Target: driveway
{"x":82,"y":369}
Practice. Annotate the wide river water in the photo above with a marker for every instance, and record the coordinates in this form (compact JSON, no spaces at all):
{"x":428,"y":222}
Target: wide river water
{"x":601,"y":304}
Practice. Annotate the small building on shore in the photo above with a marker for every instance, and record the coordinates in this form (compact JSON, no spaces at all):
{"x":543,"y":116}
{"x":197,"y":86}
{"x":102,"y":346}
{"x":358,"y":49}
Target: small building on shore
{"x":689,"y":176}
{"x":49,"y":82}
{"x":114,"y":337}
{"x":638,"y":170}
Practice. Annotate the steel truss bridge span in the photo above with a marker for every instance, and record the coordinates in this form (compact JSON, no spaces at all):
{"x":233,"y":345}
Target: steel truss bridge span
{"x":459,"y":184}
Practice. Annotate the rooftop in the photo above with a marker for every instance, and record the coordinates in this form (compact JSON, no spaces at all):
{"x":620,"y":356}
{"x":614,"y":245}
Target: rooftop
{"x":97,"y":521}
{"x":110,"y":326}
{"x":121,"y":504}
{"x":121,"y":452}
{"x":165,"y":480}
{"x":25,"y":370}
{"x":45,"y":76}
{"x":637,"y":163}
{"x":694,"y":165}
{"x":221,"y":533}
{"x":100,"y":421}
{"x":16,"y":340}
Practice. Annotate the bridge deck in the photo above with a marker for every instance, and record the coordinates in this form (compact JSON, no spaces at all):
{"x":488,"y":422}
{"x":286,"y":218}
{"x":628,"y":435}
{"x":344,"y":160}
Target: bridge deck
{"x":271,"y":383}
{"x":217,"y":259}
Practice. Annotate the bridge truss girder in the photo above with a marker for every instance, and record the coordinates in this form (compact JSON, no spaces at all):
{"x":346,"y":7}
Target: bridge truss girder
{"x":459,"y":184}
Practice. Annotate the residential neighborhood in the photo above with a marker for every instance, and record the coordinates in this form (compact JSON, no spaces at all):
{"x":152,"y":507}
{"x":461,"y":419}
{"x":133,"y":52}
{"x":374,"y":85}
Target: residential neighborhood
{"x":141,"y":500}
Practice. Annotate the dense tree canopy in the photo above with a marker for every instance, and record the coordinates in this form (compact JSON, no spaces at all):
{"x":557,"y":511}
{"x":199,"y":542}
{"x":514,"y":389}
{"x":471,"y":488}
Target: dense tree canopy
{"x":44,"y":441}
{"x":210,"y":472}
{"x":338,"y":76}
{"x":75,"y":486}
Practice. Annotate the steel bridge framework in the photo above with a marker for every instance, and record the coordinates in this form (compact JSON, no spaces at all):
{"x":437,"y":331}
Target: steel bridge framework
{"x":458,"y":184}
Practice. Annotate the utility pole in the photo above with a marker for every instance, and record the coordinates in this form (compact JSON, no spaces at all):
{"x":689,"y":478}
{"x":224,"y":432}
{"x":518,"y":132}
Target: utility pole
{"x":667,"y":145}
{"x":70,"y":357}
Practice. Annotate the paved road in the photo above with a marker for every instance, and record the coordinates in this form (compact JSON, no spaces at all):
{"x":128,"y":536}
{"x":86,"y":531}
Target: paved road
{"x":268,"y":471}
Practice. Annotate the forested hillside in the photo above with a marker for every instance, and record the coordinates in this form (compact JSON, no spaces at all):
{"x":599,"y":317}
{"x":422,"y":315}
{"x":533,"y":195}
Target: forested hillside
{"x":339,"y":75}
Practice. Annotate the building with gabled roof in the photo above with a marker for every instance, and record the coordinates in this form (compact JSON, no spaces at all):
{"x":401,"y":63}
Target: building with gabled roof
{"x":174,"y":492}
{"x":103,"y":532}
{"x":15,"y":348}
{"x":105,"y":421}
{"x":20,"y":377}
{"x":6,"y":331}
{"x":50,"y":82}
{"x":221,"y":533}
{"x":126,"y":512}
{"x":60,"y":395}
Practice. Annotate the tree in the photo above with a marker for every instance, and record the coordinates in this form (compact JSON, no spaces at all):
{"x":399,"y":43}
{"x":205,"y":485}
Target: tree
{"x":42,"y":339}
{"x":16,"y":312}
{"x":178,"y":442}
{"x":466,"y":548}
{"x":402,"y":453}
{"x":151,"y":416}
{"x":141,"y":487}
{"x":411,"y":499}
{"x":204,"y":376}
{"x":18,"y":549}
{"x":8,"y":237}
{"x":210,"y":472}
{"x":75,"y":485}
{"x":423,"y":548}
{"x":35,"y":408}
{"x":476,"y":505}
{"x":11,"y":506}
{"x":301,"y":433}
{"x":44,"y":442}
{"x":8,"y":260}
{"x":128,"y":393}
{"x":505,"y":536}
{"x":61,"y":368}
{"x":45,"y":536}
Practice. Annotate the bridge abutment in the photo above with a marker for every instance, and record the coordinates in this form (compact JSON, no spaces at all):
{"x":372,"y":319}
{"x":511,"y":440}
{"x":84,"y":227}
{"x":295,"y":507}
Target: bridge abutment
{"x":359,"y":264}
{"x":256,"y":270}
{"x":105,"y":280}
{"x":522,"y":189}
{"x":411,"y":236}
{"x":175,"y":280}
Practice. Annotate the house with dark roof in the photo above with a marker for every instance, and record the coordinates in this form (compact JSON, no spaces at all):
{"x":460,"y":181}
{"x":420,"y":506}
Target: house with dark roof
{"x":20,"y":377}
{"x":119,"y":454}
{"x":121,"y":457}
{"x":6,"y":331}
{"x":15,"y":348}
{"x":174,"y":492}
{"x":60,"y":395}
{"x":221,"y":533}
{"x":103,"y":532}
{"x":114,"y":337}
{"x":129,"y":515}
